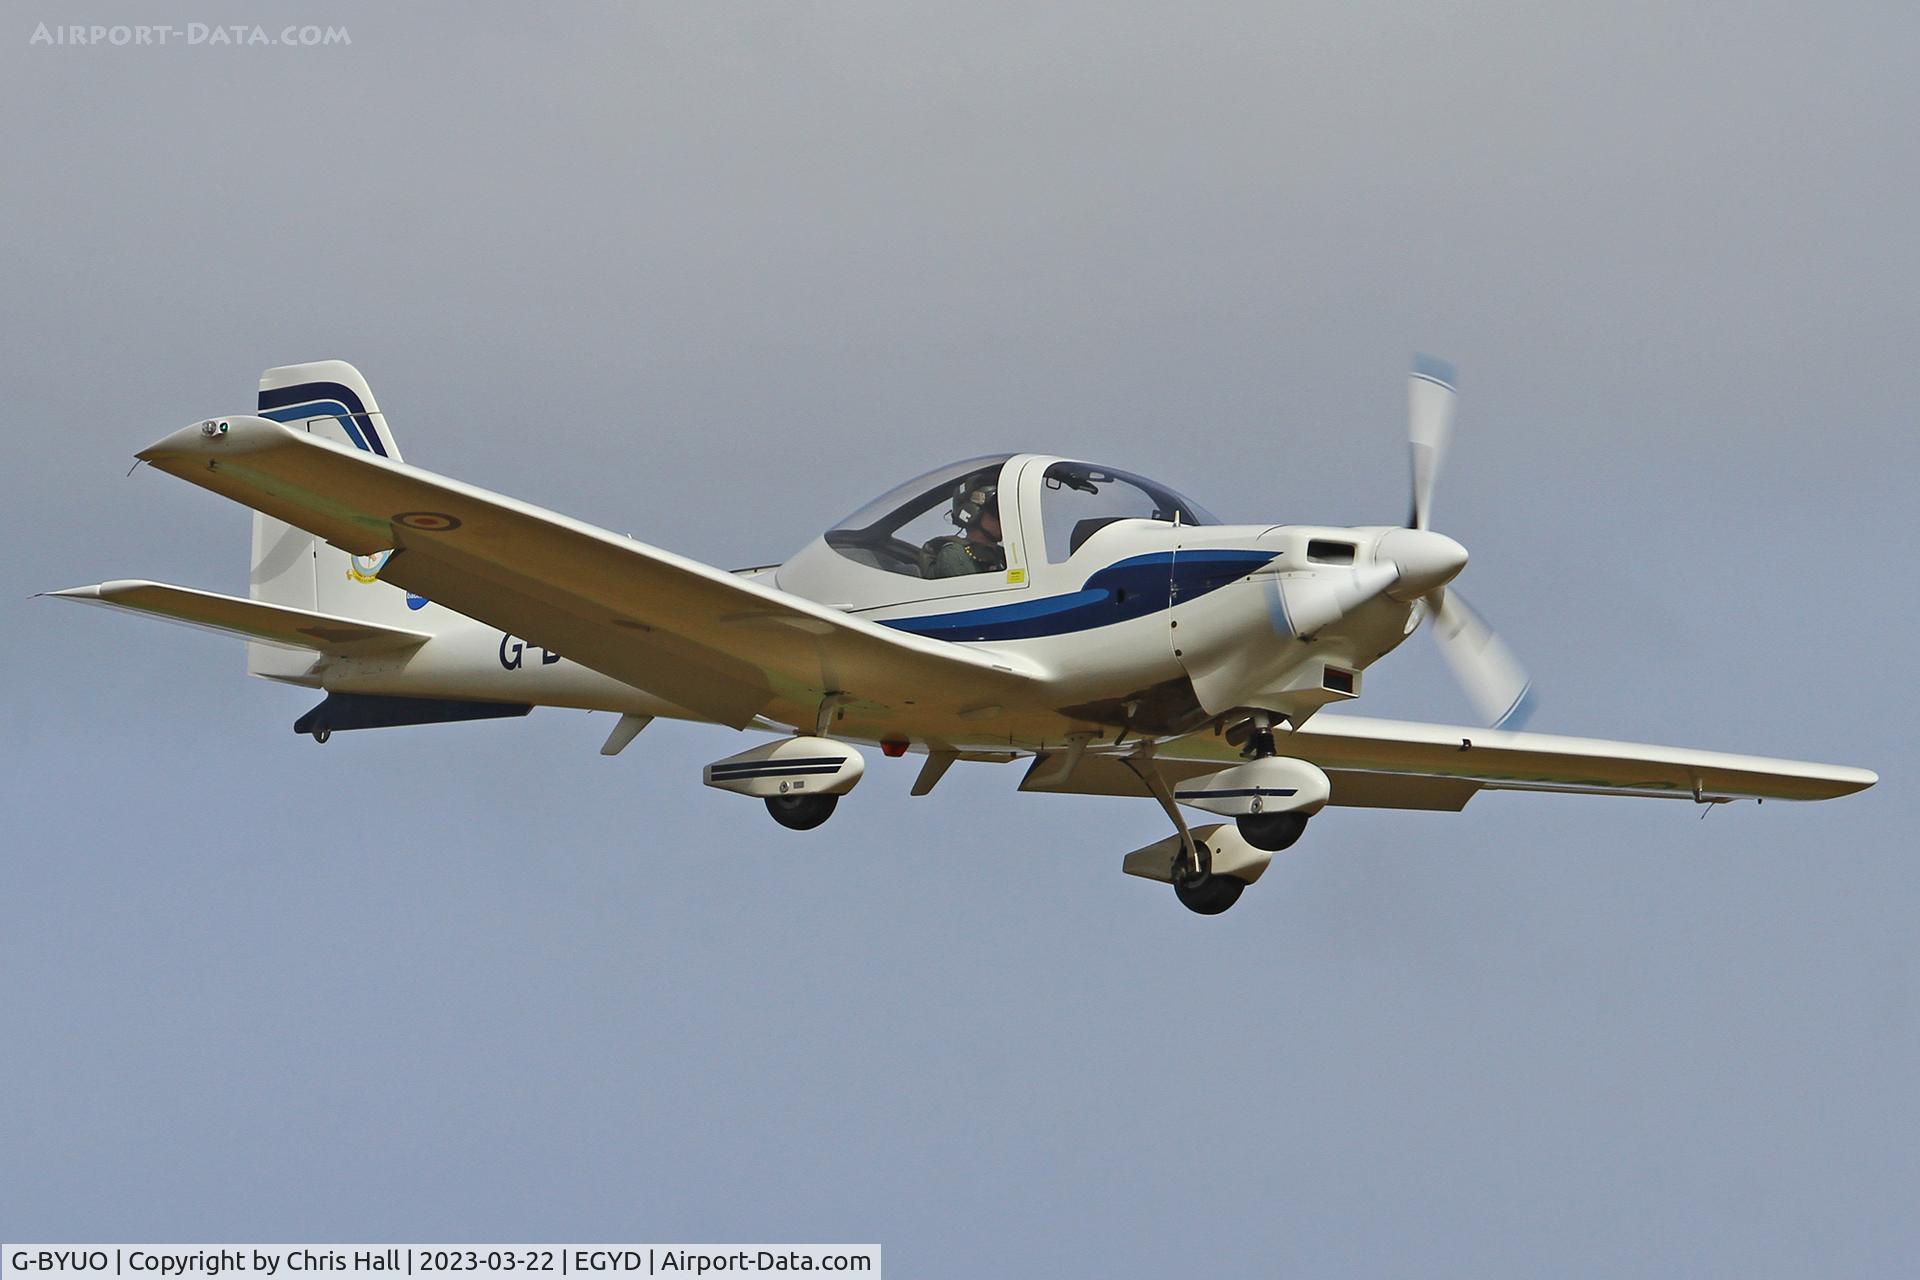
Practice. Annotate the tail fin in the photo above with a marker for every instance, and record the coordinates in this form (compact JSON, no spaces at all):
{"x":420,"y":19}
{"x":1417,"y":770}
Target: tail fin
{"x":332,"y":400}
{"x":290,"y":566}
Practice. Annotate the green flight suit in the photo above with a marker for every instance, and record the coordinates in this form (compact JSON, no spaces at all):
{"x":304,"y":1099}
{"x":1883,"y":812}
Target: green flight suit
{"x":952,"y":557}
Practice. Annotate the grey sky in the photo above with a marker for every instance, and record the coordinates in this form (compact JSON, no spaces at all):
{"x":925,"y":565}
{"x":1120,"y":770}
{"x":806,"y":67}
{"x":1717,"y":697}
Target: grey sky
{"x":717,"y":275}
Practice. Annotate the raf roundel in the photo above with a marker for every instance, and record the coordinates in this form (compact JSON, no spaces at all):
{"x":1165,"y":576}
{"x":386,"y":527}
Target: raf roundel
{"x":427,"y":521}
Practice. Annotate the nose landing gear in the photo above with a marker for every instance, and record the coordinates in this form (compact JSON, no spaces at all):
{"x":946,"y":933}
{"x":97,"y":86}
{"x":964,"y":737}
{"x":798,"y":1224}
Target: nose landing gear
{"x":1270,"y":832}
{"x":800,"y":779}
{"x":801,"y":813}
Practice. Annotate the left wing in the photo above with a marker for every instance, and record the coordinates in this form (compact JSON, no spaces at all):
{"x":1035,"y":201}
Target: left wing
{"x":1399,"y":764}
{"x":722,"y":647}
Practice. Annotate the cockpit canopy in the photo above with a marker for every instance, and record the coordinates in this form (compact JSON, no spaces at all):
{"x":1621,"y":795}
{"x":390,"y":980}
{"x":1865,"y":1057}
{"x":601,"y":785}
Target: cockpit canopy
{"x":931,"y":525}
{"x":1078,"y":499}
{"x":895,"y":531}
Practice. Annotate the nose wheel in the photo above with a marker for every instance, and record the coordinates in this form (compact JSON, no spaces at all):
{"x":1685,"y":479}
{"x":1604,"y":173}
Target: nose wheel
{"x":1271,"y":832}
{"x":801,"y":813}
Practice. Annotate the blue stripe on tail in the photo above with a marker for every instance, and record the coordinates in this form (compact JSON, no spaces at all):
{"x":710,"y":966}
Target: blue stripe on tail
{"x":325,"y":400}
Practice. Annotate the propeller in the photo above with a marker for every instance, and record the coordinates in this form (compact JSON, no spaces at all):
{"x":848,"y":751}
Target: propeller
{"x":1484,"y":667}
{"x":1430,"y":403}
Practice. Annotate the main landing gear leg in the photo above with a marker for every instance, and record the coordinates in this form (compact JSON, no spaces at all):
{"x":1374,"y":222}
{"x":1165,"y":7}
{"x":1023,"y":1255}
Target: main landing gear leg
{"x":1194,"y":883}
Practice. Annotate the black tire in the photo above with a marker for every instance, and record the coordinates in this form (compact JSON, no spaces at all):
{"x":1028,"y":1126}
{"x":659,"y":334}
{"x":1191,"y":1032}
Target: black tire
{"x":321,"y":735}
{"x":801,"y":813}
{"x":1208,"y":895}
{"x":1271,"y":832}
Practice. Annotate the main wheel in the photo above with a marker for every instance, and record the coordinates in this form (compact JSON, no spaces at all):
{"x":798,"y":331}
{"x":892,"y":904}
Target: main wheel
{"x":801,"y":813}
{"x":1201,"y":891}
{"x":1208,"y":895}
{"x":1271,"y":832}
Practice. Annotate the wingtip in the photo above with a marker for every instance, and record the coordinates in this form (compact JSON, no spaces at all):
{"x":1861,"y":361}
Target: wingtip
{"x":1861,"y":779}
{"x":187,"y":440}
{"x":235,"y":433}
{"x":100,"y":590}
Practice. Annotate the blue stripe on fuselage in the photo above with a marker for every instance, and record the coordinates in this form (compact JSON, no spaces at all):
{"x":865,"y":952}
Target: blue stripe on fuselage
{"x":1121,"y":592}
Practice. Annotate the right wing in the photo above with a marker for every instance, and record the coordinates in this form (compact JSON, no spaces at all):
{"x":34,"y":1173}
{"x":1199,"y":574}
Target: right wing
{"x":1397,"y":764}
{"x":1503,"y":760}
{"x":724,"y":648}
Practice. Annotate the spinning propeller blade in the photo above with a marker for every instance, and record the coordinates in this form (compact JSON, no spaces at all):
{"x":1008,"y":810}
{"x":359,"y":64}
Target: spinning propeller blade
{"x":1486,"y":670}
{"x":1430,"y":400}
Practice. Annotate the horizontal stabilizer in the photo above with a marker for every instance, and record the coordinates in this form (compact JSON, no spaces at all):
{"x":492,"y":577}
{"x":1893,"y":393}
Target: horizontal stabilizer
{"x":253,"y":619}
{"x":378,"y":711}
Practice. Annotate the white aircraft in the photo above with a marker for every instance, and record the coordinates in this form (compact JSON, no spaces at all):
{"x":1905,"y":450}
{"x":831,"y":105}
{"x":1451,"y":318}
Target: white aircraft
{"x":1018,"y":606}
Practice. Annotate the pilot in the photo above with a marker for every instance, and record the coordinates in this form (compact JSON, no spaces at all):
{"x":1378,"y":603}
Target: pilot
{"x":976,"y":549}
